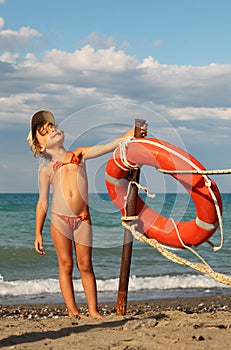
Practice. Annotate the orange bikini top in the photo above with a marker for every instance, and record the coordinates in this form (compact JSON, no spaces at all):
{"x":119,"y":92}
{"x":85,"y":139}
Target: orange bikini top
{"x":74,"y":160}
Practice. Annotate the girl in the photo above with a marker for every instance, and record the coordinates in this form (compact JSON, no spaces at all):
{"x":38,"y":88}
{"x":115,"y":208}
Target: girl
{"x":70,"y":217}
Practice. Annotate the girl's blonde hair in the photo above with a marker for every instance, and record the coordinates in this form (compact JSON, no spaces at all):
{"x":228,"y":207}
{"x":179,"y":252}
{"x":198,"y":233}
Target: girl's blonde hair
{"x":34,"y":146}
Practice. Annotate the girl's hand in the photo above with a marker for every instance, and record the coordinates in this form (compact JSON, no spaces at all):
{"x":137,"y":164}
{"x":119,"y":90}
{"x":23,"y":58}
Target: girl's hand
{"x":38,"y":244}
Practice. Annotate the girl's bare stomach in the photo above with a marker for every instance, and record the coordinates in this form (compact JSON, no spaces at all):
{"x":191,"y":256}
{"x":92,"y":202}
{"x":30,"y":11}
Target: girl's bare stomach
{"x":70,"y":189}
{"x":70,"y":203}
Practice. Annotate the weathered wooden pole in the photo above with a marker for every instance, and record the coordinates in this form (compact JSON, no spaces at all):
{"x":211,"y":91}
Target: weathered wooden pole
{"x":128,"y":239}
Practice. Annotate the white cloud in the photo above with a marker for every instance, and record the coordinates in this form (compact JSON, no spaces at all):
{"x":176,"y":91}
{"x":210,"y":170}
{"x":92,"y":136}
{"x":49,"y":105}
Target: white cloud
{"x":99,"y":41}
{"x":68,"y":81}
{"x":9,"y":58}
{"x":178,"y":86}
{"x":89,"y":59}
{"x":2,"y":22}
{"x":193,"y":113}
{"x":103,"y":42}
{"x":11,"y":40}
{"x":182,"y":104}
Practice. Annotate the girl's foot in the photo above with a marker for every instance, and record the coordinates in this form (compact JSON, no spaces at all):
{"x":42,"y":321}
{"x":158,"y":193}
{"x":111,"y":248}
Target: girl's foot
{"x":77,"y":316}
{"x":96,"y":314}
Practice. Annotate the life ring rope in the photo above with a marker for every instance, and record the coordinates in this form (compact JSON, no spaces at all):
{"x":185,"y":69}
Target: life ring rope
{"x":134,"y":218}
{"x":139,"y":186}
{"x":216,"y":248}
{"x":126,"y":166}
{"x":201,"y":267}
{"x":122,"y":148}
{"x":188,"y":247}
{"x":199,"y":172}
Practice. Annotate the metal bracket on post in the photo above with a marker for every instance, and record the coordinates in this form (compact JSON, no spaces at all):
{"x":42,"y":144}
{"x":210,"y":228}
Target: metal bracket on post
{"x":128,"y":239}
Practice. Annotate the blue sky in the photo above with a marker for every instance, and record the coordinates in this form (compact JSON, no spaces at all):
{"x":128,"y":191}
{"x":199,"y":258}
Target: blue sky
{"x":99,"y":64}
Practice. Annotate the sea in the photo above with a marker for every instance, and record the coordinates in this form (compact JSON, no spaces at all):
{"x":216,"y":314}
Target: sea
{"x":26,"y":277}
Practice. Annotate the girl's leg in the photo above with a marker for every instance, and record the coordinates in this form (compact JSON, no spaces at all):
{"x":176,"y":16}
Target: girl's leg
{"x":83,"y":244}
{"x":63,"y":246}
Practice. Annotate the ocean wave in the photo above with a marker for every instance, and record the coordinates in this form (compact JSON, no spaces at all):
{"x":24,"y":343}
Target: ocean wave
{"x":136,"y":283}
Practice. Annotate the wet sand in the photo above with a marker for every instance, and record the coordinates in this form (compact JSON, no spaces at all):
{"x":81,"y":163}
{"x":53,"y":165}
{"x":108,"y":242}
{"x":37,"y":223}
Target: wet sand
{"x":180,"y":323}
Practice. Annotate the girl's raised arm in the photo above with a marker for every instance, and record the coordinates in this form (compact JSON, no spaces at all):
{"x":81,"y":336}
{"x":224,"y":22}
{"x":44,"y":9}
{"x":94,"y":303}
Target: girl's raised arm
{"x":99,"y":150}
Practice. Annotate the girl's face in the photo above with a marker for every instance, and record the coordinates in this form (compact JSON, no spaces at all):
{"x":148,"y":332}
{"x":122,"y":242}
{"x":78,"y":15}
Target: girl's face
{"x":48,"y":135}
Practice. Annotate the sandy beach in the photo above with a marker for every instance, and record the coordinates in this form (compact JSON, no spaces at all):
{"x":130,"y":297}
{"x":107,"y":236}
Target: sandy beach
{"x":185,"y":323}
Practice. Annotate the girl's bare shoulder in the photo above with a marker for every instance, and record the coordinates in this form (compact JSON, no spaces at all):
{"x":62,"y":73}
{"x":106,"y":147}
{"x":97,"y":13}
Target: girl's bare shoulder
{"x":46,"y":169}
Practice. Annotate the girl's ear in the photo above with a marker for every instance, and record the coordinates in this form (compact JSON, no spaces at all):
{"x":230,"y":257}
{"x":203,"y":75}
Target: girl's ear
{"x":41,"y":148}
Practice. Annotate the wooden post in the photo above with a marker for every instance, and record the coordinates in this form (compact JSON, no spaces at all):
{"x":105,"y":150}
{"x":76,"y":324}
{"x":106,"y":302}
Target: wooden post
{"x":128,"y":239}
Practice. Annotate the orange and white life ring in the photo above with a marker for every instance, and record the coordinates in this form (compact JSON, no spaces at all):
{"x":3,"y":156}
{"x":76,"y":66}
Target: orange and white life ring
{"x":203,"y":191}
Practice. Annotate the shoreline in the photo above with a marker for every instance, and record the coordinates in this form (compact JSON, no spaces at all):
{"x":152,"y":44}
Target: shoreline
{"x":177,"y":323}
{"x":219,"y":302}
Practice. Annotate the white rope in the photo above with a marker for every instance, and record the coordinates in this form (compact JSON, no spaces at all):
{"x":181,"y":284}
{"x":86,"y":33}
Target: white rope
{"x":123,"y":147}
{"x":164,"y":250}
{"x":145,"y":189}
{"x":203,"y":268}
{"x":216,"y":248}
{"x":186,"y":246}
{"x":123,"y":155}
{"x":200,"y":172}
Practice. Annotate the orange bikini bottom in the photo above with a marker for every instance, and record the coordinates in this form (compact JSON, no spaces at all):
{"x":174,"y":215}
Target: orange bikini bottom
{"x":73,"y":221}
